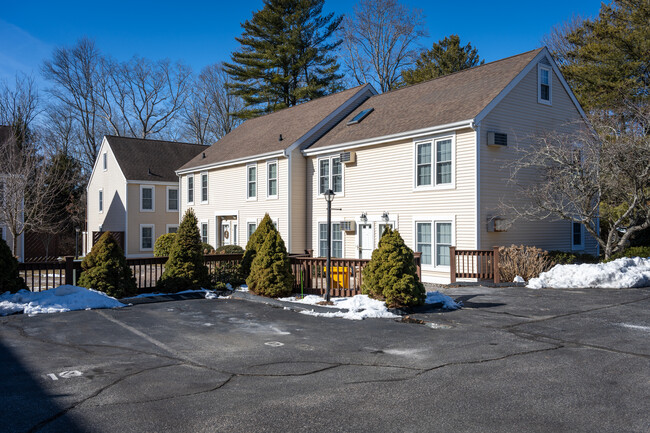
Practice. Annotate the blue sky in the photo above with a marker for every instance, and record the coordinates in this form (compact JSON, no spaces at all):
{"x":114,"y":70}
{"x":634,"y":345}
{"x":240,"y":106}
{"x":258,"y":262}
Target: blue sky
{"x":202,"y":33}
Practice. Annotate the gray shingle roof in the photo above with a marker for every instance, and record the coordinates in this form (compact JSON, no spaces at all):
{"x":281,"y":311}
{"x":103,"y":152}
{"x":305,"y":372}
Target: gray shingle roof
{"x":449,"y":99}
{"x":261,"y":135}
{"x":152,"y":160}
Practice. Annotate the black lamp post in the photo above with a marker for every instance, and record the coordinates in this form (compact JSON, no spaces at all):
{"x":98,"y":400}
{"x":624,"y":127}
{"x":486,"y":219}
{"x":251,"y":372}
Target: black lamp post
{"x":329,"y":196}
{"x":76,"y":242}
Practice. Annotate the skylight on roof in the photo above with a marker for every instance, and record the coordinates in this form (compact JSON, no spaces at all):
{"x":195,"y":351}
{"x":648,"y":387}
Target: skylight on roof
{"x":359,"y":117}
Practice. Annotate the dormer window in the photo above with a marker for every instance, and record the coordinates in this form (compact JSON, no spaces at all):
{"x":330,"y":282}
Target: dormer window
{"x":544,"y":84}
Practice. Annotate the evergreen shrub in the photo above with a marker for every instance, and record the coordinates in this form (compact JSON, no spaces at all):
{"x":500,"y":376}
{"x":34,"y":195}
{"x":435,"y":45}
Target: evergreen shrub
{"x":643,"y":252}
{"x":255,"y":242}
{"x":207,"y":248}
{"x":104,"y":269}
{"x":391,"y":274}
{"x":185,"y":268}
{"x":229,"y":249}
{"x":10,"y":279}
{"x":163,"y":245}
{"x":227,"y":272}
{"x":270,"y":273}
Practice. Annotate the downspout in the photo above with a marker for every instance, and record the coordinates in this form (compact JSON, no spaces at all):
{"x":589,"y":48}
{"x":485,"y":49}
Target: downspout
{"x":289,"y":203}
{"x":477,"y":129}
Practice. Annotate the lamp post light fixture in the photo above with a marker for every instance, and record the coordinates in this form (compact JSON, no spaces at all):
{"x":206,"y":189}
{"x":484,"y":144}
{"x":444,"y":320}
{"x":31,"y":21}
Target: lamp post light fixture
{"x":385,"y":217}
{"x":329,"y":196}
{"x":364,"y":218}
{"x":76,"y":242}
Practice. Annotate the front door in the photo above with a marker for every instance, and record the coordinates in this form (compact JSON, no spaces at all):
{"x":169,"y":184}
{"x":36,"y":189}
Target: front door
{"x":365,"y":241}
{"x":226,"y":239}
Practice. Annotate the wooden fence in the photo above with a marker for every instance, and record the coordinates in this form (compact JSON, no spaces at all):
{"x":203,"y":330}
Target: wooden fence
{"x":480,"y":264}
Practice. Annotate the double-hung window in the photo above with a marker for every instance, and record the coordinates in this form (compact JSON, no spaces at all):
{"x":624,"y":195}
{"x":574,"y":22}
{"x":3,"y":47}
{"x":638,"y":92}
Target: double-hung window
{"x":104,"y":161}
{"x":544,"y":84}
{"x":146,"y":237}
{"x":101,"y":201}
{"x":172,"y":199}
{"x":204,"y":187}
{"x":330,"y":175}
{"x":433,"y":163}
{"x":251,"y":182}
{"x":250,"y":229}
{"x":337,"y":240}
{"x":204,"y":232}
{"x":190,"y":189}
{"x":272,"y":179}
{"x":433,"y":239}
{"x":147,"y":200}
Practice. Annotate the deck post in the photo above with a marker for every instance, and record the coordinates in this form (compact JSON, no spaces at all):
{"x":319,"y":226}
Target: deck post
{"x":452,"y":264}
{"x":417,"y":257}
{"x":495,"y":265}
{"x":69,"y":270}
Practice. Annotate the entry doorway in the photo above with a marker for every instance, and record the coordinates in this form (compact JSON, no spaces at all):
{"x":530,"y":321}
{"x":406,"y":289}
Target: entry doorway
{"x":366,"y":241}
{"x":228,"y":234}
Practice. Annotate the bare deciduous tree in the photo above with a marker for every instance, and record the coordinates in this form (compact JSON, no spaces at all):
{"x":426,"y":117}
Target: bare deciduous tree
{"x":557,"y":41}
{"x":597,"y":177}
{"x":379,"y":41}
{"x":208,"y":113}
{"x":19,"y":107}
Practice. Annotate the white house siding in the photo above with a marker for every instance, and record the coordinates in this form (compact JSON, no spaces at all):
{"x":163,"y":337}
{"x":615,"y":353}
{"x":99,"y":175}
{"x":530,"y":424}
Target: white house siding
{"x":227,"y":197}
{"x":113,"y":185}
{"x":382,"y":180}
{"x":299,"y":209}
{"x":520,"y":116}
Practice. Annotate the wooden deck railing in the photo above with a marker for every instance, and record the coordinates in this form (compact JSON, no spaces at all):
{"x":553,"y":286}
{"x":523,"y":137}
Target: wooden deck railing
{"x":480,"y":264}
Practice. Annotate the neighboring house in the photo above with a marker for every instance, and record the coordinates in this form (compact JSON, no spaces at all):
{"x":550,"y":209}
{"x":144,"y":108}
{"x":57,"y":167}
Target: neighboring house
{"x":6,"y":138}
{"x":133,"y":191}
{"x":429,"y":159}
{"x":258,"y":168}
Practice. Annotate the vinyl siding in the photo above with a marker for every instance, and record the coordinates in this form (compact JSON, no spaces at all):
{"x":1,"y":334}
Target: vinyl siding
{"x":382,"y":180}
{"x":298,"y":202}
{"x":521,"y":116}
{"x":227,"y":197}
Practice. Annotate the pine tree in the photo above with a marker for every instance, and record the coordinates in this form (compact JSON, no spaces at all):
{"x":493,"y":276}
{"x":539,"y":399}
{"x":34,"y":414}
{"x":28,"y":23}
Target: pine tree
{"x":10,"y":279}
{"x":445,"y":57}
{"x":391,"y":274}
{"x":285,"y":57}
{"x":185,"y":268}
{"x":255,"y":243}
{"x":105,"y":269}
{"x":271,"y":270}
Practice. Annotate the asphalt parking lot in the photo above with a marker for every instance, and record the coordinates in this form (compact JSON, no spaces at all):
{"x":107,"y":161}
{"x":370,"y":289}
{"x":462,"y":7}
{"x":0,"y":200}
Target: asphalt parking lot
{"x":512,"y":360}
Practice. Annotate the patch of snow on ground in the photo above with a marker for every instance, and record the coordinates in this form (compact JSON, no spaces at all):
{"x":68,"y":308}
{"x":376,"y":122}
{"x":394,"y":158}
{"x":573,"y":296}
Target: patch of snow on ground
{"x":58,"y":300}
{"x":617,"y":274}
{"x":635,"y":327}
{"x":519,"y":279}
{"x":359,"y":307}
{"x":447,"y":302}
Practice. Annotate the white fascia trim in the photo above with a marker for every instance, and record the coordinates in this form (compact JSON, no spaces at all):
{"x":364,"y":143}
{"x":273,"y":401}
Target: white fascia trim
{"x":96,"y":165}
{"x":221,"y":213}
{"x":148,"y":182}
{"x":417,"y":133}
{"x":245,"y":160}
{"x":533,"y":64}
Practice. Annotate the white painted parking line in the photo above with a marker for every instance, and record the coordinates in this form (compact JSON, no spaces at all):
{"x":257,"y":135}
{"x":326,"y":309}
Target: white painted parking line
{"x":274,"y":343}
{"x":65,"y":374}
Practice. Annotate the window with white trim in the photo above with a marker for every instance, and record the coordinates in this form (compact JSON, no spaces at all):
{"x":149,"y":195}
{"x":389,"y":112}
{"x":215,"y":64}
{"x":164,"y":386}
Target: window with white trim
{"x":250,"y":229}
{"x":172,"y":228}
{"x":433,"y":239}
{"x":147,"y":200}
{"x":337,"y":240}
{"x":204,"y":232}
{"x":251,"y":182}
{"x":101,"y":201}
{"x":330,"y":174}
{"x":105,"y":161}
{"x":172,"y":199}
{"x":544,"y":84}
{"x":146,"y":237}
{"x":381,"y":227}
{"x":577,"y":236}
{"x":190,"y":189}
{"x":433,"y":163}
{"x":234,"y":234}
{"x":204,"y":187}
{"x":272,"y":179}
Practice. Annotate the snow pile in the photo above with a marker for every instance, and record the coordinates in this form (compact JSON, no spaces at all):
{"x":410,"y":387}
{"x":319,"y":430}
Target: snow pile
{"x":58,"y":300}
{"x":617,"y":274}
{"x":359,"y":307}
{"x":519,"y":279}
{"x":447,"y":302}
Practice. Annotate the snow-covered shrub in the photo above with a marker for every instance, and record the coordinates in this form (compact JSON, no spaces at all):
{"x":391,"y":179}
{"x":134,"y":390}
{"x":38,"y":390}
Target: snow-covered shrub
{"x":104,"y":269}
{"x":527,"y":262}
{"x":391,"y":274}
{"x":270,"y":273}
{"x":229,"y":249}
{"x":163,"y":245}
{"x":643,"y":252}
{"x":185,"y":268}
{"x":10,"y":280}
{"x":255,"y":243}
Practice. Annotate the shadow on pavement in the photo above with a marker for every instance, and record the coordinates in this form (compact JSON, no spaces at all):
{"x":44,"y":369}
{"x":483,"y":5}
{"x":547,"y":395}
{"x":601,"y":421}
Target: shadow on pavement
{"x":465,"y":300}
{"x":26,"y":406}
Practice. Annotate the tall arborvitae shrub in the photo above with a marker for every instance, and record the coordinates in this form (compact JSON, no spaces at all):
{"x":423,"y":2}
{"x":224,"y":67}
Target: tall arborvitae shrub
{"x":10,"y":280}
{"x":105,"y":269}
{"x":391,"y":274}
{"x":255,"y":242}
{"x":185,"y":268}
{"x":271,"y":270}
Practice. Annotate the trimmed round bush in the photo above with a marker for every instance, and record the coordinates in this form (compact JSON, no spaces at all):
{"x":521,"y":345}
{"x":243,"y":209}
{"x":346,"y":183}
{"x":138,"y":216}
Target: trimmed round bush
{"x":163,"y":245}
{"x":185,"y":268}
{"x":207,"y":248}
{"x":229,"y":249}
{"x":270,"y":273}
{"x":10,"y":279}
{"x":105,"y":269}
{"x":391,"y":274}
{"x":255,"y":242}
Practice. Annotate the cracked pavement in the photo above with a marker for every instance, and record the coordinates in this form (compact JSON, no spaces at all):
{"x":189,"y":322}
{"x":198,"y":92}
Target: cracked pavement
{"x":512,"y":360}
